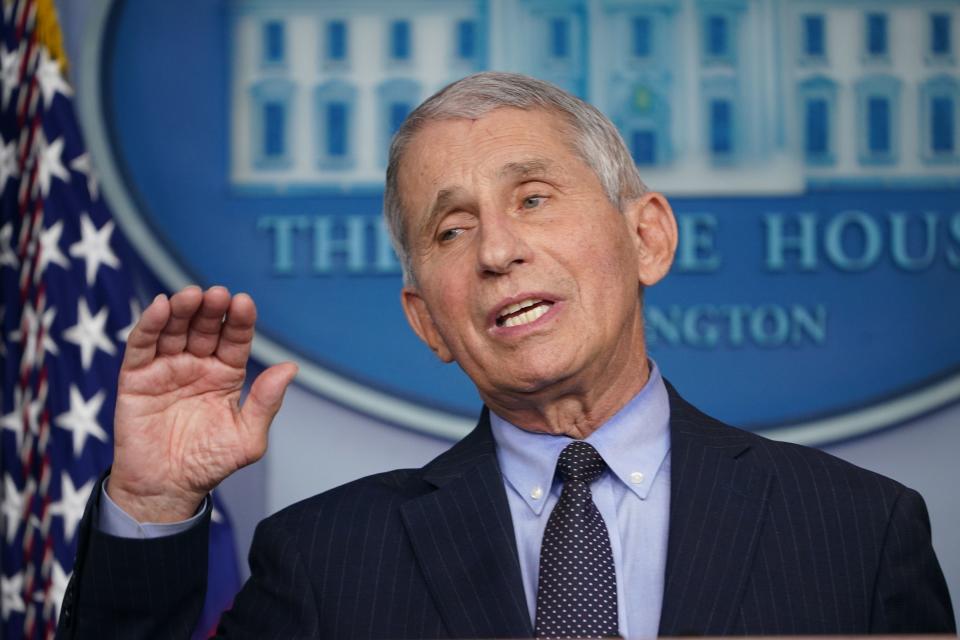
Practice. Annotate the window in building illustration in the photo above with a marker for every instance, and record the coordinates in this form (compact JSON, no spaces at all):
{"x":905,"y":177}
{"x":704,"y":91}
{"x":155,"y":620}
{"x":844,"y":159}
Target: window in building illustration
{"x":814,"y":36}
{"x":717,"y":45}
{"x":818,"y":96}
{"x":940,"y":45}
{"x":270,"y":107}
{"x":334,"y":104}
{"x":400,"y":40}
{"x":466,"y":39}
{"x":337,"y":41}
{"x":274,"y":129}
{"x":940,"y":100}
{"x":273,"y":42}
{"x":396,"y":98}
{"x":398,"y":112}
{"x":942,"y":126}
{"x":559,"y":37}
{"x":817,"y":127}
{"x":337,"y":129}
{"x":643,"y":147}
{"x":878,"y":108}
{"x":641,"y":37}
{"x":721,"y":127}
{"x":878,"y":125}
{"x":877,"y":35}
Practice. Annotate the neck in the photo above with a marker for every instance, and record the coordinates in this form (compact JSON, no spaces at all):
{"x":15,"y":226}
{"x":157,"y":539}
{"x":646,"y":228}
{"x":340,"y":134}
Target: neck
{"x":577,"y":408}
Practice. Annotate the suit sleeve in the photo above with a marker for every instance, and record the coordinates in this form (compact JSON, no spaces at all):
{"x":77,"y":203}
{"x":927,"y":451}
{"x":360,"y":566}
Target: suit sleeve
{"x":910,"y":594}
{"x":278,"y":601}
{"x":134,"y":588}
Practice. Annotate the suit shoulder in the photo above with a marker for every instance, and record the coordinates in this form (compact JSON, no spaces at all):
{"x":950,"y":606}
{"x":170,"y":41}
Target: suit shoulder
{"x":802,"y":467}
{"x":820,"y":467}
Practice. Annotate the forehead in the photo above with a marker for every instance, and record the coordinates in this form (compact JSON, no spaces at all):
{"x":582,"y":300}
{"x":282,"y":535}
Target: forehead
{"x":460,"y":151}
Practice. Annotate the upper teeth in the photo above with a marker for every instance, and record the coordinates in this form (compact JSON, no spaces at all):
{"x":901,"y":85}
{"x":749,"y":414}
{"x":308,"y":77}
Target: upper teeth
{"x":513,"y":308}
{"x":526,"y":317}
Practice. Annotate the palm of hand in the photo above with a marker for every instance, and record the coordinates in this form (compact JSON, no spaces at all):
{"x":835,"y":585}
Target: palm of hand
{"x":179,"y":425}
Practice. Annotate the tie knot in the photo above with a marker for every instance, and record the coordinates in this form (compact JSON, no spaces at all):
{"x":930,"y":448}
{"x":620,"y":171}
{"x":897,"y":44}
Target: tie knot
{"x":580,"y":461}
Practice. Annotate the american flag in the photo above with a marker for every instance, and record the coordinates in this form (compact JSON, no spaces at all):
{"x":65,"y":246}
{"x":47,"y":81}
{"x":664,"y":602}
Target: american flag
{"x":66,"y":307}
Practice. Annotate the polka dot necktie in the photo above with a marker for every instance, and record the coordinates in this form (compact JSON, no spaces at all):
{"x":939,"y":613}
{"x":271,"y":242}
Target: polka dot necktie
{"x":577,"y":588}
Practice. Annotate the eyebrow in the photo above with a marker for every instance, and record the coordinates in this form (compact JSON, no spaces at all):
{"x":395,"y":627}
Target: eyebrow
{"x":525,"y":169}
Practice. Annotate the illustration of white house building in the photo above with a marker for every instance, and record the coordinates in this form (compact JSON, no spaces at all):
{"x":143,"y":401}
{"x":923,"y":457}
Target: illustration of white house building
{"x":711,"y":96}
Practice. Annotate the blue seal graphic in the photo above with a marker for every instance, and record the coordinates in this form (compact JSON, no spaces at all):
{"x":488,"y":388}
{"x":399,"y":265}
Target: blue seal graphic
{"x":815,"y":178}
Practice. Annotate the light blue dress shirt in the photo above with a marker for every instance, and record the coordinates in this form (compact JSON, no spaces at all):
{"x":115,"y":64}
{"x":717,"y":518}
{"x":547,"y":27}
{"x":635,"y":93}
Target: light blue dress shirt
{"x":633,"y":497}
{"x":117,"y":522}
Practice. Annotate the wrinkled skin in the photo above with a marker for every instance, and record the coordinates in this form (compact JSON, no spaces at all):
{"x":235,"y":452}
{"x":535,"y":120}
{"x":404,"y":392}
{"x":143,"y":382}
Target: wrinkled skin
{"x":179,"y":425}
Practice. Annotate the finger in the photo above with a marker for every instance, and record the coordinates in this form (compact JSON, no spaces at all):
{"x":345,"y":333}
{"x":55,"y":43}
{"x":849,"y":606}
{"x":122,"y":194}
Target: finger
{"x":237,"y":332}
{"x":142,"y":341}
{"x":263,"y":402}
{"x":204,"y":332}
{"x":183,"y":305}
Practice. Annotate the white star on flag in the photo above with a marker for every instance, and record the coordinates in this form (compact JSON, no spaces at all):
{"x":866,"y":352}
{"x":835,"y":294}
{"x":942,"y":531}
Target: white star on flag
{"x":94,"y":247}
{"x":12,"y":507}
{"x":9,"y":72}
{"x":50,"y":78}
{"x":38,"y":340}
{"x":135,"y":311}
{"x":59,"y":579}
{"x":82,"y":164}
{"x":71,"y":503}
{"x":23,"y":402}
{"x":11,"y":590}
{"x":89,"y":334}
{"x":14,"y":419}
{"x":51,"y":163}
{"x":7,"y":256}
{"x":82,"y":419}
{"x":50,"y":249}
{"x":8,"y":162}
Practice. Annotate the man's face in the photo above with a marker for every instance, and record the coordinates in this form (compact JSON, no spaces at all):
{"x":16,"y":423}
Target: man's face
{"x":527,"y":275}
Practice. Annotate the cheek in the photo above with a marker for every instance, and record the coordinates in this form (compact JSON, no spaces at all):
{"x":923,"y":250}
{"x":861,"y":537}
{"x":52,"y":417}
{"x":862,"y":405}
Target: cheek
{"x":453,"y":313}
{"x":607,"y":272}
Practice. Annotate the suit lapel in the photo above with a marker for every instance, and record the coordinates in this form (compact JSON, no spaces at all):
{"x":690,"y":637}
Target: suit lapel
{"x":463,"y":538}
{"x":717,"y":504}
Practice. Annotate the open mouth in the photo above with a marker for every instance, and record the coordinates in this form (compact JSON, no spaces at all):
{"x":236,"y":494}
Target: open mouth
{"x":523,"y":312}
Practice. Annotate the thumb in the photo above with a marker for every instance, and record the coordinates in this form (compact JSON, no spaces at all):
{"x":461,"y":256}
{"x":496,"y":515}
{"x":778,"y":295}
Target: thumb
{"x":266,"y":395}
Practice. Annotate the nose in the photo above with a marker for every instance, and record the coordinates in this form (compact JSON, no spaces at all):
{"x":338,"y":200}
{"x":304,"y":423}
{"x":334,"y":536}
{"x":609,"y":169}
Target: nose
{"x":501,"y":245}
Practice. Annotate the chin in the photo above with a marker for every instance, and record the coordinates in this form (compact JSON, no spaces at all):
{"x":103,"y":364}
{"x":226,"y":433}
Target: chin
{"x":533,"y":379}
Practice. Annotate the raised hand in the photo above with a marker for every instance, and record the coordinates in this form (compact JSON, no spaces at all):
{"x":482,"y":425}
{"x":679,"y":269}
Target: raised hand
{"x":179,"y":426}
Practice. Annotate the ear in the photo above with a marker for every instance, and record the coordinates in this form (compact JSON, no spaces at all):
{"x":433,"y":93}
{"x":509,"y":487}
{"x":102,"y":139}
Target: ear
{"x":422,"y":324}
{"x":653,"y":230}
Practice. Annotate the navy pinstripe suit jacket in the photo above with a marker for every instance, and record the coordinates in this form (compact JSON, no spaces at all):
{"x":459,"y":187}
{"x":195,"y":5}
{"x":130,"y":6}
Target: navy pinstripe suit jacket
{"x":765,"y":538}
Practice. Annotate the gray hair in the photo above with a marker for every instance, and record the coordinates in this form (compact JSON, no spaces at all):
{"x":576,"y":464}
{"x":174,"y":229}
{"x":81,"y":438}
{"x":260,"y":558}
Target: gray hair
{"x":593,"y":137}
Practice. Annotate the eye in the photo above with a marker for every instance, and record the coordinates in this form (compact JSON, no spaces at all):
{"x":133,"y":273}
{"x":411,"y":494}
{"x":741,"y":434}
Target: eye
{"x":532,"y":202}
{"x":449,"y":234}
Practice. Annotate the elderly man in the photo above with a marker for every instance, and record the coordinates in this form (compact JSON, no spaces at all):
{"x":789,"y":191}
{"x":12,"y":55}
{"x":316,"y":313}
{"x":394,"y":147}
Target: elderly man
{"x":590,"y":500}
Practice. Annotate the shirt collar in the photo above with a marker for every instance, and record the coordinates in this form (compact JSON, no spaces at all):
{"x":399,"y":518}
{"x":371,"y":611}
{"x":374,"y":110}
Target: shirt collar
{"x":633,"y":443}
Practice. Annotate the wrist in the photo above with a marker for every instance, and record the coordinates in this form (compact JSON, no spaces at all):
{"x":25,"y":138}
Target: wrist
{"x":153,"y":508}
